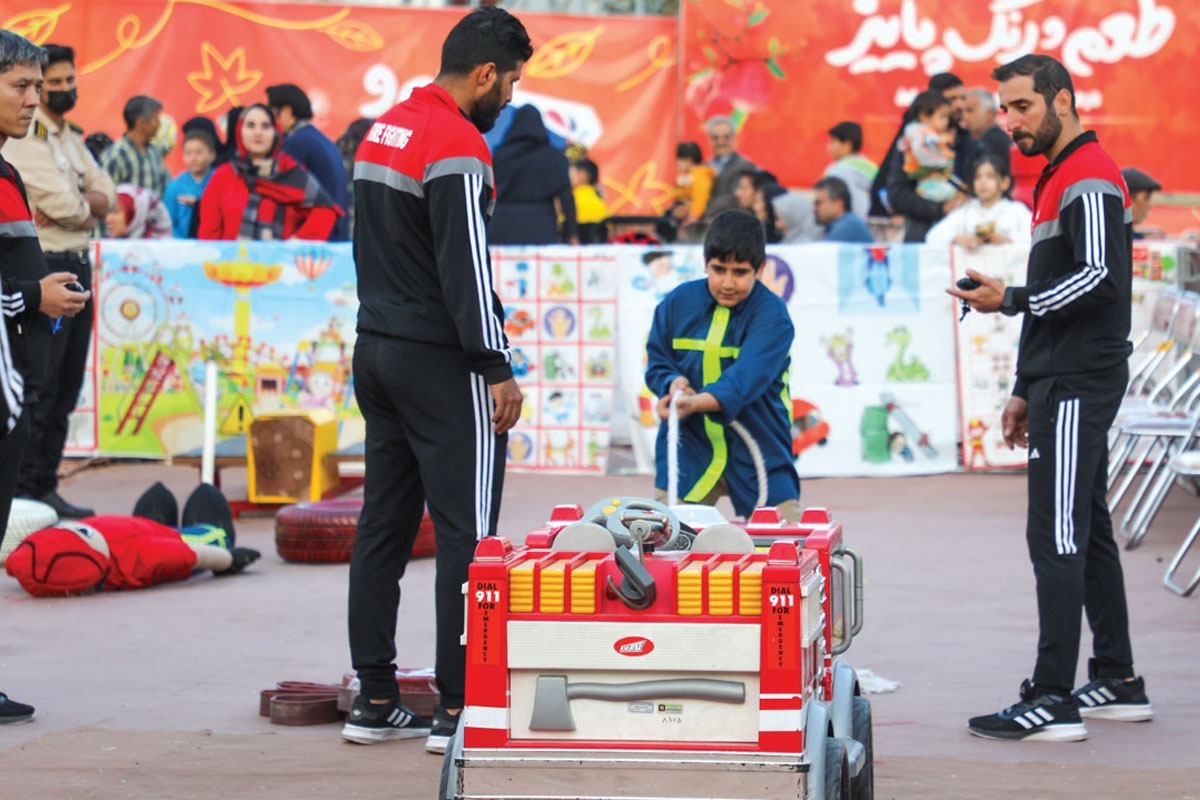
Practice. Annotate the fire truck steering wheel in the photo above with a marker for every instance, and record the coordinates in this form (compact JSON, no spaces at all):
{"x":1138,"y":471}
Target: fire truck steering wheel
{"x":618,"y":515}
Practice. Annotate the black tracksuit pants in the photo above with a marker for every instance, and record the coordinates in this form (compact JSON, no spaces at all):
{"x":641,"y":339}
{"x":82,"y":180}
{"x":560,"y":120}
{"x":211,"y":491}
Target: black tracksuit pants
{"x":429,"y":442}
{"x":12,"y":448}
{"x":59,"y":392}
{"x":1075,"y":559}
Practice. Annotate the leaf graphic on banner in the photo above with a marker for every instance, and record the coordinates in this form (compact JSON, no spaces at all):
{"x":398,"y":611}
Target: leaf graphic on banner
{"x":354,"y":35}
{"x":644,"y":181}
{"x":563,"y":55}
{"x":223,"y":78}
{"x":660,"y":55}
{"x":36,"y":25}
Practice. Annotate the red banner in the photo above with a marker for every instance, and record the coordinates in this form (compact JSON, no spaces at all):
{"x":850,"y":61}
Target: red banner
{"x":608,"y":82}
{"x":788,"y":71}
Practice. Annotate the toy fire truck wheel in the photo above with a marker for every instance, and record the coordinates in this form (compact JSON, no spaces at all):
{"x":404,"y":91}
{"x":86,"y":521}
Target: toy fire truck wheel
{"x":448,"y":788}
{"x":837,"y":779}
{"x":862,"y":786}
{"x":323,"y":531}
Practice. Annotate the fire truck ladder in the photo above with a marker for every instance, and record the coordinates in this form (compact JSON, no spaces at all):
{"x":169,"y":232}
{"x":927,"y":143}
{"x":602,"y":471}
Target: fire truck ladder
{"x":147,"y":392}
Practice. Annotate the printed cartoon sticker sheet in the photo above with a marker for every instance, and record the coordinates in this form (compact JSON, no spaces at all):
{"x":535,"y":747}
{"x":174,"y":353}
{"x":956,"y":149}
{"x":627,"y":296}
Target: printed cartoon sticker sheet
{"x":560,"y":317}
{"x":873,"y":373}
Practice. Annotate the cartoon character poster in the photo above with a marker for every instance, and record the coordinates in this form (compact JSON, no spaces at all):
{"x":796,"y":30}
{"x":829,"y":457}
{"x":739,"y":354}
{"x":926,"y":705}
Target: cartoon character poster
{"x":560,"y":317}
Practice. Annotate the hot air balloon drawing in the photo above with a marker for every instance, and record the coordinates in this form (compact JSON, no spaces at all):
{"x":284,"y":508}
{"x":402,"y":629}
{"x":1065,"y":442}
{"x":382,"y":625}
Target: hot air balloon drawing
{"x":312,"y":265}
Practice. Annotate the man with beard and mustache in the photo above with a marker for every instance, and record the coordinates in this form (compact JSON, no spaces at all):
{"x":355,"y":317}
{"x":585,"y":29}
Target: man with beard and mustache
{"x":68,"y":193}
{"x":1071,"y":375}
{"x":432,"y":366}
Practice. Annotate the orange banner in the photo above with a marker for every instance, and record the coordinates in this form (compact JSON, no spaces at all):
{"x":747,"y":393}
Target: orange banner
{"x":789,"y":71}
{"x":608,"y":82}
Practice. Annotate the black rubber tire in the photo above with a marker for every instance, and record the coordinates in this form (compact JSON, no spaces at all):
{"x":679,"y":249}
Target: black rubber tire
{"x":448,"y":786}
{"x":837,"y":781}
{"x":862,"y":785}
{"x":323,"y":531}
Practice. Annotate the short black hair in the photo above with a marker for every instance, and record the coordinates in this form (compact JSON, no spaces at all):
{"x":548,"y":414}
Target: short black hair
{"x":57,"y":52}
{"x":589,"y":168}
{"x":292,"y":96}
{"x":736,"y":235}
{"x":943,"y":81}
{"x":139,"y":107}
{"x":690,"y":151}
{"x":488,"y":34}
{"x":761,"y":178}
{"x":836,"y":188}
{"x":925,"y":104}
{"x":1049,"y":76}
{"x":196,"y":135}
{"x":850,"y":132}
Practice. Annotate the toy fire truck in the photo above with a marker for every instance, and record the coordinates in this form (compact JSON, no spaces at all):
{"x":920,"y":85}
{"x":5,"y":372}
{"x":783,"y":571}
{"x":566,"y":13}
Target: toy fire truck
{"x":624,"y":652}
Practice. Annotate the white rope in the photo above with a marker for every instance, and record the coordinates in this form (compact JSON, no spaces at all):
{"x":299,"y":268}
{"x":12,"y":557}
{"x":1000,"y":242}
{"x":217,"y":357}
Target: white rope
{"x":760,"y":464}
{"x":673,"y":450}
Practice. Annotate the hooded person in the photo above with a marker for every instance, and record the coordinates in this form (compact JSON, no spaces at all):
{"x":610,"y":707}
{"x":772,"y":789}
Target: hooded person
{"x":795,"y":220}
{"x":137,"y":214}
{"x":262,"y":193}
{"x":530,"y":177}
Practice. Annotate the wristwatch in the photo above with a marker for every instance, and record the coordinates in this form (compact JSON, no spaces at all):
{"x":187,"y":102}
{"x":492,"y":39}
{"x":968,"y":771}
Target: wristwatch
{"x":1008,"y":305}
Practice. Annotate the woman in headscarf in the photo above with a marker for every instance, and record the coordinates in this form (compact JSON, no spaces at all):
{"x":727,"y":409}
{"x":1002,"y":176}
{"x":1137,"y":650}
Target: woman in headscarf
{"x":137,"y":214}
{"x":532,"y":186}
{"x":794,"y":218}
{"x":263,"y":193}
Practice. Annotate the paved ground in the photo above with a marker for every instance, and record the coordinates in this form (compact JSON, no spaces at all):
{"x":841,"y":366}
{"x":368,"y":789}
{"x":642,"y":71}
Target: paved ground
{"x":154,"y":694}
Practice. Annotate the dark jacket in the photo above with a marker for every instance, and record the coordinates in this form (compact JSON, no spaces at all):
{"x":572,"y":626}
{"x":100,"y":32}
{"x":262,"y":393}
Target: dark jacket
{"x":1077,"y":294}
{"x":722,"y":197}
{"x":422,"y":192}
{"x":530,"y":176}
{"x":321,"y":157}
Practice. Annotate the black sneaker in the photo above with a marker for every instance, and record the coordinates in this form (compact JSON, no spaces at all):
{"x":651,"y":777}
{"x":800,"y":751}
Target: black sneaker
{"x":12,"y":712}
{"x":371,"y":723}
{"x":63,"y":508}
{"x":1040,"y":716}
{"x":444,"y":726}
{"x":1114,"y":698}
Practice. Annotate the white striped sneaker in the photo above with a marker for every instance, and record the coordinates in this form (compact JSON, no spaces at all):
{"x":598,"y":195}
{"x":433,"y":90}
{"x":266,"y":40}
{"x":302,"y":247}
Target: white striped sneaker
{"x":1040,"y":716}
{"x":1122,"y":699}
{"x":371,"y":723}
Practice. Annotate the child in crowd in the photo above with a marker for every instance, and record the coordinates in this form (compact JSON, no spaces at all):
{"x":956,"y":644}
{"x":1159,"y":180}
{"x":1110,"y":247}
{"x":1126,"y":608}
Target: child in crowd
{"x":137,"y":214}
{"x":182,"y":195}
{"x":927,"y":144}
{"x":693,"y":187}
{"x":723,"y":343}
{"x":856,"y":170}
{"x":989,"y":217}
{"x":590,"y":209}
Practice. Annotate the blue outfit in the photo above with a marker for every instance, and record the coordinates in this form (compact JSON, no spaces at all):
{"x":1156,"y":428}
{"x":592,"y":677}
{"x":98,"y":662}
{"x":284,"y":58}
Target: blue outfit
{"x":181,"y":215}
{"x":741,"y":357}
{"x":849,"y":228}
{"x":317,"y":154}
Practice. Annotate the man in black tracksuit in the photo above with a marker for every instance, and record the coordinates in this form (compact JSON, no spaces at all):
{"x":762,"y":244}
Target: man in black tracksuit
{"x":1071,"y":375}
{"x":432,"y":367}
{"x":29,"y":294}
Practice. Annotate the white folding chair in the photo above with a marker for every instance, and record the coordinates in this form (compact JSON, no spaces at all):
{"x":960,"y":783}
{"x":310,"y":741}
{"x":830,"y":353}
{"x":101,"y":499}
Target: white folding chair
{"x":1188,"y":465}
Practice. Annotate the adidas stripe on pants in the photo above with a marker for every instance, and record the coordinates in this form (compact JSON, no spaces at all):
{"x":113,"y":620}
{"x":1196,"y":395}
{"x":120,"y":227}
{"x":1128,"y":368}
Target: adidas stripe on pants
{"x":1076,"y":562}
{"x":429,"y":441}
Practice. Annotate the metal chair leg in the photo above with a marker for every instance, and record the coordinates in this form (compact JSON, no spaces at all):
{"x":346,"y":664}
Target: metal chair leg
{"x":1169,"y":578}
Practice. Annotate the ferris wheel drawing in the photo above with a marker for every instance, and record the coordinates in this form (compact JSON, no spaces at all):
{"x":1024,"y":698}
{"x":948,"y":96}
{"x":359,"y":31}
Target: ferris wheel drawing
{"x":134,"y":304}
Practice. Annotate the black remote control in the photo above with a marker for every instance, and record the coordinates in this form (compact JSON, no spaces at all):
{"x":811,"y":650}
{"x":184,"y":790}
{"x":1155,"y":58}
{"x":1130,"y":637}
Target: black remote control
{"x":966,"y":285}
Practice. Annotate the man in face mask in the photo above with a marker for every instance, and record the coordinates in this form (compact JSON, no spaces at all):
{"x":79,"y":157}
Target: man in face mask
{"x":68,"y":193}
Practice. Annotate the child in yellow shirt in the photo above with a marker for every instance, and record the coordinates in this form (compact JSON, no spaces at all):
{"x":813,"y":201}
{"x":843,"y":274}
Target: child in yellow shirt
{"x":590,"y":208}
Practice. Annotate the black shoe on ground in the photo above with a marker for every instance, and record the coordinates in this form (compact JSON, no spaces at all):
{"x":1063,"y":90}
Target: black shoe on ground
{"x":1114,"y":698}
{"x":63,"y":508}
{"x":371,"y":723}
{"x":445,"y":725}
{"x":242,"y":558}
{"x":1040,"y":716}
{"x":12,"y":712}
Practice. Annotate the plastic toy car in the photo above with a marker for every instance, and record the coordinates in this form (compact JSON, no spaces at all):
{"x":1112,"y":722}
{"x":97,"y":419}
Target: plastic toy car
{"x":626,"y":652}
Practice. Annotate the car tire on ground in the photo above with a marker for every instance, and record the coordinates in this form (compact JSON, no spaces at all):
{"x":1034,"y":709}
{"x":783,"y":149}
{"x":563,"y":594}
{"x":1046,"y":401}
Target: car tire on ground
{"x":323,"y":531}
{"x":862,"y":785}
{"x":837,"y":781}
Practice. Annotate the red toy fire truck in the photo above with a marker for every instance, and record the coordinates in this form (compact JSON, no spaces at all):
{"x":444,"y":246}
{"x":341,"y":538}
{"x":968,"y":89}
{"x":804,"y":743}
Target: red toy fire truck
{"x":624,"y":652}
